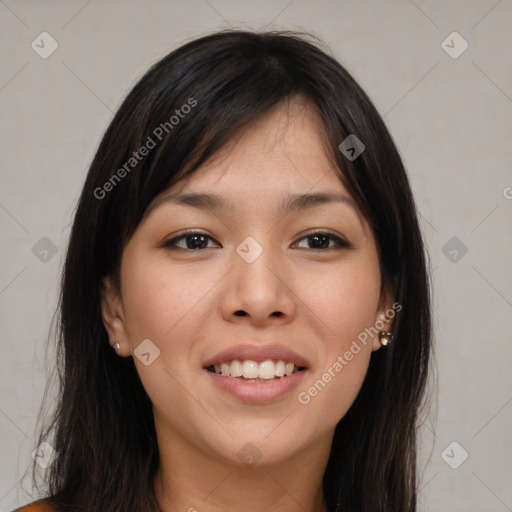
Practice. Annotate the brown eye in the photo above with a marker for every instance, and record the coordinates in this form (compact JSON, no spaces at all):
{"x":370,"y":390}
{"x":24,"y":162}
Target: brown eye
{"x":320,"y":241}
{"x":194,"y":240}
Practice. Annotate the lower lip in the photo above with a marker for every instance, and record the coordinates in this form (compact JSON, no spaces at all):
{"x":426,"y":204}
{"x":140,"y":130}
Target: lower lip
{"x":257,"y":392}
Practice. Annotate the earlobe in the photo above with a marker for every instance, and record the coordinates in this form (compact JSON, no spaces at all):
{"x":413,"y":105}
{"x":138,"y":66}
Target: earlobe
{"x":384,"y":317}
{"x":113,"y":318}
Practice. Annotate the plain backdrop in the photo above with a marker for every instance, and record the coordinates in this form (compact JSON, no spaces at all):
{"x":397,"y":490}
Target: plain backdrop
{"x":448,"y":107}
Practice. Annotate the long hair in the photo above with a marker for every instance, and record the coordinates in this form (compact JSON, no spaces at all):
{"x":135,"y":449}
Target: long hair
{"x":186,"y":107}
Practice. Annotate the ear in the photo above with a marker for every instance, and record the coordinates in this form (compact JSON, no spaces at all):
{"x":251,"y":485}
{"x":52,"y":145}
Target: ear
{"x":113,"y":316}
{"x":385,"y":313}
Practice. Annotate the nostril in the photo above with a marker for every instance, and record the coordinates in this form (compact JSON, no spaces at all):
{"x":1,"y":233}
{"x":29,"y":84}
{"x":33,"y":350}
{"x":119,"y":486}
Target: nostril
{"x":240,"y":313}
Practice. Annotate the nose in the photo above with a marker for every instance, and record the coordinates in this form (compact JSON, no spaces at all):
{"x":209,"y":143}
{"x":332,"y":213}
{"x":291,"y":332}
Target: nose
{"x":258,"y":291}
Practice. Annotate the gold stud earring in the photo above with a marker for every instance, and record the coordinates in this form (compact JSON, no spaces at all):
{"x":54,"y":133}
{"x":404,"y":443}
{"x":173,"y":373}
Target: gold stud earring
{"x":385,"y":337}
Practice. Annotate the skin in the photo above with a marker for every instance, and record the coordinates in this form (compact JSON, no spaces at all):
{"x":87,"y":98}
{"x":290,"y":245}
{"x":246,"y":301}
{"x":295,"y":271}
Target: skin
{"x":186,"y":302}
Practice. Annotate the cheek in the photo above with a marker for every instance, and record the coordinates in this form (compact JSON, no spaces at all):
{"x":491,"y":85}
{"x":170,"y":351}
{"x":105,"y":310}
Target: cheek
{"x":157,"y":300}
{"x":161,"y":306}
{"x":346,"y":302}
{"x":331,"y":392}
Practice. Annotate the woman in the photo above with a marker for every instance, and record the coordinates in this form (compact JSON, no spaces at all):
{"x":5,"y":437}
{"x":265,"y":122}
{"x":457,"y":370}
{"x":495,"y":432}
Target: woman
{"x":245,"y":309}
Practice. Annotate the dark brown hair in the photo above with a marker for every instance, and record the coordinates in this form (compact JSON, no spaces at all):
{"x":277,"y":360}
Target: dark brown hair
{"x":102,"y":425}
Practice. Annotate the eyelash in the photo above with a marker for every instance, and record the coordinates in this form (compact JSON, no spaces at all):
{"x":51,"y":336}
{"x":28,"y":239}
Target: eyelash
{"x":341,"y":243}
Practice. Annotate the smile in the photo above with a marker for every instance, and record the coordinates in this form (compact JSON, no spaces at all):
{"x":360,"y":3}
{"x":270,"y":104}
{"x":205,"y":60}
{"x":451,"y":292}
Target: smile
{"x":252,"y":371}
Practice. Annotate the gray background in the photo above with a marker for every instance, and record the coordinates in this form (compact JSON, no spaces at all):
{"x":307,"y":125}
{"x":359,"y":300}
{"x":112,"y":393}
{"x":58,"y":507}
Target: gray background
{"x":451,"y":119}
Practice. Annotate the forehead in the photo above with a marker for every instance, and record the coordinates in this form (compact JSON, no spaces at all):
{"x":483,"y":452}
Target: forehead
{"x":282,"y":152}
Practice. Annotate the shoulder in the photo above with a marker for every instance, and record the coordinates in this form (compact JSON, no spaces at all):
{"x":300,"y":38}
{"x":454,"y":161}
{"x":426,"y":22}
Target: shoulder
{"x":36,"y":506}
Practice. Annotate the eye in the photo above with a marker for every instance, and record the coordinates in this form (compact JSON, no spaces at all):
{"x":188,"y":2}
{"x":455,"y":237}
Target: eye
{"x":194,"y":240}
{"x":318,"y":240}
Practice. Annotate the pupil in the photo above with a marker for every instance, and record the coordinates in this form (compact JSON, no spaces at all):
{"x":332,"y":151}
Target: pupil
{"x":316,"y":238}
{"x":195,"y":245}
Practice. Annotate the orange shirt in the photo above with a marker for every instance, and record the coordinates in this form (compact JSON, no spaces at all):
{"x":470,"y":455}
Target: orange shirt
{"x":36,"y":506}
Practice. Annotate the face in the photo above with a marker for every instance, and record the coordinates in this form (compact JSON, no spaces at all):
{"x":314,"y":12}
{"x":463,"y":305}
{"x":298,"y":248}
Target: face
{"x":264,"y":277}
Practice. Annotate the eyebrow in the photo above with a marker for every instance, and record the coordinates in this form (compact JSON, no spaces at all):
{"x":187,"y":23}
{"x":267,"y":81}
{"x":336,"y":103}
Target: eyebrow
{"x":292,"y":203}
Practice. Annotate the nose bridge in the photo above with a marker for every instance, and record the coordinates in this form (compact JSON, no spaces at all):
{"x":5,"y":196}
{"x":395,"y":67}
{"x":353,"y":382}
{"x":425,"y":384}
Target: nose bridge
{"x":256,"y":286}
{"x":254,"y":258}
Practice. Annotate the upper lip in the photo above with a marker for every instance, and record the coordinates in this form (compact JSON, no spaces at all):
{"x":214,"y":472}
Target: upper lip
{"x":258,"y":354}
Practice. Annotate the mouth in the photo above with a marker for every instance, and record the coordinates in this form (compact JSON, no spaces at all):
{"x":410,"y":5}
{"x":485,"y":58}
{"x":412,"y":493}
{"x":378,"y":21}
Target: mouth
{"x":257,"y":373}
{"x":247,"y":370}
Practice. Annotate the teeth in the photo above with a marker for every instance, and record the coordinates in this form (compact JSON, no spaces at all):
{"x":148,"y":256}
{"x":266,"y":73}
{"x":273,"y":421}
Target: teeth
{"x":267,"y":370}
{"x":224,"y":368}
{"x":235,"y":370}
{"x":280,"y":368}
{"x":250,"y":370}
